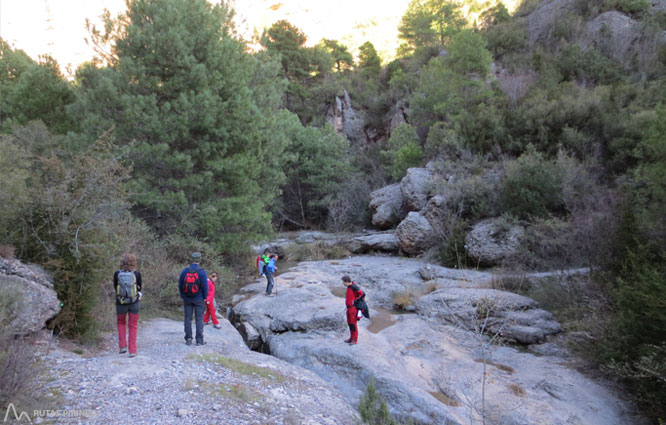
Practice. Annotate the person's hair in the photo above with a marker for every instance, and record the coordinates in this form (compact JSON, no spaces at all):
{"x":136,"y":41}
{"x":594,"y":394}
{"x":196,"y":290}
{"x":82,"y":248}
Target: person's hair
{"x":214,"y":274}
{"x":272,"y":256}
{"x":128,"y":262}
{"x":346,"y":278}
{"x":266,"y":251}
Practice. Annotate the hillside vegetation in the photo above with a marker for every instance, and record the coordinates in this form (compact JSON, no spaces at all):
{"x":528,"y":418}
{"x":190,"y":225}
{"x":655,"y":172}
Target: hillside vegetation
{"x":176,"y":138}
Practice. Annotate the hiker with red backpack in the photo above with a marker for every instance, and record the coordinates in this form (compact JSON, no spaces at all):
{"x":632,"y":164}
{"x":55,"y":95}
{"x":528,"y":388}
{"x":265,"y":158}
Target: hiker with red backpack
{"x":127,"y":285}
{"x":356,"y":308}
{"x":210,"y":302}
{"x":262,"y":260}
{"x":193,"y":286}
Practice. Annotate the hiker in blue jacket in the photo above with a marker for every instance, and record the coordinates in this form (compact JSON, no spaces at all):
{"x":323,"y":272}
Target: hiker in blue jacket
{"x":269,"y":269}
{"x":193,"y":286}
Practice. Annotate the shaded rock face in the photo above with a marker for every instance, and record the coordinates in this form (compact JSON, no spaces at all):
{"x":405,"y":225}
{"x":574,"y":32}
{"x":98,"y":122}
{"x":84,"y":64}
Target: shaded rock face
{"x":427,"y":365}
{"x":489,"y":242}
{"x":380,"y":242}
{"x":35,"y":299}
{"x":615,"y":33}
{"x":345,"y":120}
{"x":540,"y":22}
{"x":387,"y":206}
{"x":415,"y":234}
{"x":416,"y":186}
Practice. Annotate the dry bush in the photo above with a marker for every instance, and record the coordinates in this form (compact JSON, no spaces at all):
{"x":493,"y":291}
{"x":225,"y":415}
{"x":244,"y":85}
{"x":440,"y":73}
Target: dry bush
{"x":404,"y":298}
{"x":516,"y":85}
{"x":18,"y":362}
{"x":7,"y":251}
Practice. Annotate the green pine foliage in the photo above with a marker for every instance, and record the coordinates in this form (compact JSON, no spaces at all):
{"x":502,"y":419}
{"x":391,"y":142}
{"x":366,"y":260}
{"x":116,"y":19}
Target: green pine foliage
{"x":373,"y":407}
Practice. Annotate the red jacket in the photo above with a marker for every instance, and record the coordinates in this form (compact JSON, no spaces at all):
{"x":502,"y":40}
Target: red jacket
{"x":211,"y":291}
{"x":353,"y":293}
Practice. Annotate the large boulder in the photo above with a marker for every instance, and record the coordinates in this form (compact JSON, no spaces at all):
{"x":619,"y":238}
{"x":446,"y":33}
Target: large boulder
{"x":415,"y":234}
{"x":31,"y":296}
{"x":493,"y":241}
{"x":416,"y":186}
{"x":387,"y":207}
{"x":617,"y":34}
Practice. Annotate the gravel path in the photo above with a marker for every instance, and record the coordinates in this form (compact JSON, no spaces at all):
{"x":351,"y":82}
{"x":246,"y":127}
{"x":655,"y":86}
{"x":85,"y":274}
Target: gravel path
{"x":222,"y":382}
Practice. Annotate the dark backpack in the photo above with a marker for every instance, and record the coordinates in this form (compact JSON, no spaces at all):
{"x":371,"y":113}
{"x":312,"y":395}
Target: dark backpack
{"x":360,"y":303}
{"x":126,"y":292}
{"x":191,"y":284}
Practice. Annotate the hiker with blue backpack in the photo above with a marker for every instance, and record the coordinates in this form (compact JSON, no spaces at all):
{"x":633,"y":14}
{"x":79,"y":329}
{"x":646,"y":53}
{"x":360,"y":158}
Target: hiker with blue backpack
{"x":127,"y":286}
{"x":193,"y":286}
{"x":269,"y":269}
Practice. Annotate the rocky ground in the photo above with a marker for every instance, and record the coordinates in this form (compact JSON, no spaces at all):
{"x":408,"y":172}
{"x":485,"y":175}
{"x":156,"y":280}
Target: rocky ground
{"x":222,"y":382}
{"x":429,"y":364}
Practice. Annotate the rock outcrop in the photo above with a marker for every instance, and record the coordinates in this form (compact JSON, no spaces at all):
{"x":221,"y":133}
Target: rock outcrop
{"x":617,"y":34}
{"x":378,"y":242}
{"x":387,"y":206}
{"x":491,"y":241}
{"x":427,"y":365}
{"x":542,"y":19}
{"x":32,"y":299}
{"x":415,"y":234}
{"x":345,"y":120}
{"x":415,"y":186}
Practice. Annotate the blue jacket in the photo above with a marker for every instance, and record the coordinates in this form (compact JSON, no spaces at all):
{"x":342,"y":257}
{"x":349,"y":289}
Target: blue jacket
{"x":203,"y":280}
{"x":270,"y":267}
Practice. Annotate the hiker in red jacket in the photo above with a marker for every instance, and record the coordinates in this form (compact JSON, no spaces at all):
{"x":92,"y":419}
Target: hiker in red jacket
{"x":353,"y":293}
{"x":210,"y":302}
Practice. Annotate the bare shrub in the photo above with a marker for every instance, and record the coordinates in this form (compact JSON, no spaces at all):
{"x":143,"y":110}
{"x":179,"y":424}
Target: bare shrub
{"x":349,"y":208}
{"x":404,"y":298}
{"x":516,"y":85}
{"x":18,"y":369}
{"x":7,"y":251}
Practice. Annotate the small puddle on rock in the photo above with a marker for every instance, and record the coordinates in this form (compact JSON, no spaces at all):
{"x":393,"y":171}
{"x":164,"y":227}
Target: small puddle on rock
{"x":443,"y":398}
{"x":380,"y":320}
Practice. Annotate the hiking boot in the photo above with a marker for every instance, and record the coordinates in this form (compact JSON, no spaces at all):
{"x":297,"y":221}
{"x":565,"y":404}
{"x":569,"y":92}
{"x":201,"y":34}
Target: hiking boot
{"x":348,"y":340}
{"x":217,"y":326}
{"x":132,"y":355}
{"x":201,"y":343}
{"x":123,"y":350}
{"x":188,"y":341}
{"x":353,"y":342}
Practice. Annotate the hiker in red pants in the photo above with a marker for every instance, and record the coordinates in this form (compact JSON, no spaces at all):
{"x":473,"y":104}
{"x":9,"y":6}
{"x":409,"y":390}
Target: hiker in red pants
{"x":127,"y":284}
{"x":210,"y":302}
{"x":353,"y":293}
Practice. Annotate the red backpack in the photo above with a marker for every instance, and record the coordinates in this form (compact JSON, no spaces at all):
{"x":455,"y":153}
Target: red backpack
{"x":191,"y":283}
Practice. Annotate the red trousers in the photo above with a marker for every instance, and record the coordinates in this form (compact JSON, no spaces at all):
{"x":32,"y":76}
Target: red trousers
{"x":210,"y":313}
{"x":351,"y":321}
{"x":133,"y":325}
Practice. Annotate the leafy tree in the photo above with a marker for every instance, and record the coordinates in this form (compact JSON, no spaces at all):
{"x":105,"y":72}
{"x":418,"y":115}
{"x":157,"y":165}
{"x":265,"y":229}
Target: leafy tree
{"x":289,"y":42}
{"x":339,"y":53}
{"x":32,"y":91}
{"x":179,"y":96}
{"x":369,"y":62}
{"x":316,"y":167}
{"x":404,"y":151}
{"x":430,"y":23}
{"x":467,"y":54}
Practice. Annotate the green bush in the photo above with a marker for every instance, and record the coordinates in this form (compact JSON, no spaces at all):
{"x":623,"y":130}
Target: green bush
{"x":576,"y":64}
{"x":509,"y":37}
{"x":373,"y":407}
{"x":531,"y":187}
